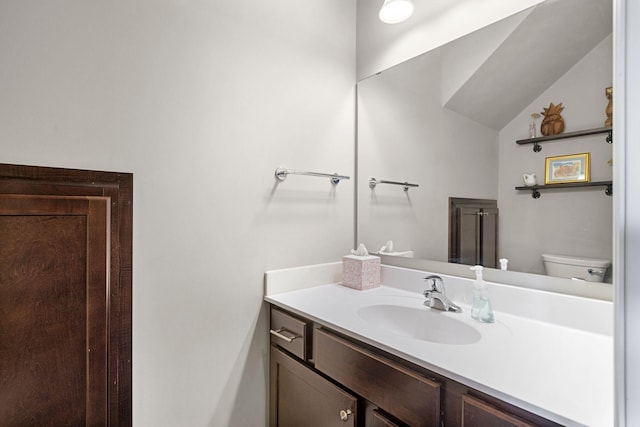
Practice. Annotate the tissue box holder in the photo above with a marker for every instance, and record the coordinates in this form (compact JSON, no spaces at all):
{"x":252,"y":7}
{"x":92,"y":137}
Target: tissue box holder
{"x":361,"y":272}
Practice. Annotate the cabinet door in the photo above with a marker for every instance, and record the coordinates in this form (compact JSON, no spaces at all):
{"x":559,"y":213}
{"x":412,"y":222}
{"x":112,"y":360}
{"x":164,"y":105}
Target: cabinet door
{"x":301,"y":397}
{"x":53,"y":305}
{"x":379,"y":419}
{"x":476,"y":413}
{"x":375,"y":417}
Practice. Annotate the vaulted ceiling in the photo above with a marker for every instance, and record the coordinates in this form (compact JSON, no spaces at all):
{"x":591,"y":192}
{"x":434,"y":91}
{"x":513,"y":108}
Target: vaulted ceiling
{"x":520,"y":57}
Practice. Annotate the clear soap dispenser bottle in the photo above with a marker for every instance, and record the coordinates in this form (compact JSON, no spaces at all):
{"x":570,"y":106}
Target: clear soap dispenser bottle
{"x":481,"y":307}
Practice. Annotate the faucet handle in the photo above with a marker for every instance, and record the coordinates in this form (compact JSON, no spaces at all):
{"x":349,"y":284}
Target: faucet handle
{"x":437,"y":283}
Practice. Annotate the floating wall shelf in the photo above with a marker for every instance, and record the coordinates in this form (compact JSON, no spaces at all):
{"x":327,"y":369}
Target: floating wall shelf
{"x":536,"y":141}
{"x":536,"y":194}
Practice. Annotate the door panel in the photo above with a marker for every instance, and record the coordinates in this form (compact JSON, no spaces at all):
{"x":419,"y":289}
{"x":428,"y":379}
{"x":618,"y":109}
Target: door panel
{"x":382,"y":420}
{"x":301,"y":397}
{"x":476,"y":413}
{"x":53,"y":304}
{"x":117,"y":187}
{"x":489,"y":238}
{"x":469,"y":234}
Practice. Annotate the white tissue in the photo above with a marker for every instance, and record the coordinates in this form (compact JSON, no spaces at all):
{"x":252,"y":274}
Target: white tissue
{"x":361,"y":251}
{"x":388,"y":247}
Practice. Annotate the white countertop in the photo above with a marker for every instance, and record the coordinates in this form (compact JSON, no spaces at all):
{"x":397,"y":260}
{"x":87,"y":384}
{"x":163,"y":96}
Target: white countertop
{"x":561,"y":370}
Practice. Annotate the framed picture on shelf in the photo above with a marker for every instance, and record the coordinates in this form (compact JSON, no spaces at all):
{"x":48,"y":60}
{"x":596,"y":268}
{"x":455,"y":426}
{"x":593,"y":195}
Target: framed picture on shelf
{"x":571,"y":168}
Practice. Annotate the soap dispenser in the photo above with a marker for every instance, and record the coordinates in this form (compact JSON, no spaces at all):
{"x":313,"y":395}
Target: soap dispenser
{"x":481,"y":308}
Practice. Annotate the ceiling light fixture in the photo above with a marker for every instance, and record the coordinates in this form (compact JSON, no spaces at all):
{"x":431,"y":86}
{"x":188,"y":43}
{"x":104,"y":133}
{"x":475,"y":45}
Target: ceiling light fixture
{"x":395,"y":11}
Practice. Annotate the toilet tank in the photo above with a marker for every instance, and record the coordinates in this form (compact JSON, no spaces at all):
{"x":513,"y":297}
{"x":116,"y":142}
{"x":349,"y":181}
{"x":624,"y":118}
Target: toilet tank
{"x":589,"y":269}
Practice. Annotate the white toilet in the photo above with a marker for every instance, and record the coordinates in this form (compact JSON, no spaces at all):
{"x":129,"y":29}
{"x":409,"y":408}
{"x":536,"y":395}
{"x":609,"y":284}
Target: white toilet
{"x":589,"y":269}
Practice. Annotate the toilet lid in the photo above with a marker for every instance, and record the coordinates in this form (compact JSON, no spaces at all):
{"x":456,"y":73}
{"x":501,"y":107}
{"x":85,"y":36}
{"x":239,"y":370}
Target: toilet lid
{"x":581,"y":261}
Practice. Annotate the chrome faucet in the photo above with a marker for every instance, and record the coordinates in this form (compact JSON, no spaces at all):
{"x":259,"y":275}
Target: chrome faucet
{"x":435,"y":296}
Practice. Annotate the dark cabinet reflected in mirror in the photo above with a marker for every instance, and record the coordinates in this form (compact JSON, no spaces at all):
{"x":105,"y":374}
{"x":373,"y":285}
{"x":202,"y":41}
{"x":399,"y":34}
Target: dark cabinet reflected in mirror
{"x":473,"y":232}
{"x":449,"y":120}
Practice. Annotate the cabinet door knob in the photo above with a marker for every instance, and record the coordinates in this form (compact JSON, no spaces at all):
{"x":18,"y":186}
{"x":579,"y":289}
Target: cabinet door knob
{"x":344,"y":415}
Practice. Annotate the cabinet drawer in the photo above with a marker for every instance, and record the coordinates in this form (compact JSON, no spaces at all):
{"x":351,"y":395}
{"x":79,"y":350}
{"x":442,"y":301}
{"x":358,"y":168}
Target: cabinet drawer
{"x":408,"y":396}
{"x":289,"y":333}
{"x":476,"y":413}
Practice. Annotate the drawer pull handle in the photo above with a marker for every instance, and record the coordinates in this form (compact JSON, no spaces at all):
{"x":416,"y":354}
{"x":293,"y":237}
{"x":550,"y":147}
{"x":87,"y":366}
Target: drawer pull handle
{"x":278,"y":333}
{"x":344,"y":415}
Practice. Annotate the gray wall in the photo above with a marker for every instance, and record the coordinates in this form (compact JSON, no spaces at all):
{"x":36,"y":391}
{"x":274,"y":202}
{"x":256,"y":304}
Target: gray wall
{"x":568,"y":222}
{"x":404,"y":134}
{"x":201,"y":100}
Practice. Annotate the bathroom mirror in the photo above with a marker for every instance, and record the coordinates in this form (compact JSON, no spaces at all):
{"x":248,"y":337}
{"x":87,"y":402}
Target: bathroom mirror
{"x":448,"y":120}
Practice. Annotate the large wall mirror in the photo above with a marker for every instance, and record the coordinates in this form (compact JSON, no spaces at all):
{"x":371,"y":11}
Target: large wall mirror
{"x":448,"y":120}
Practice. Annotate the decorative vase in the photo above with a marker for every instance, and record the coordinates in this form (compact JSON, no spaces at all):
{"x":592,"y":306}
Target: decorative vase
{"x":609,"y":110}
{"x":533,"y":126}
{"x":529,"y":179}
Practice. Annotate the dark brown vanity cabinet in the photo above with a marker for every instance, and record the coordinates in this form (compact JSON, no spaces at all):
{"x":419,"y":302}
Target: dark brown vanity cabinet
{"x":298,"y":395}
{"x":332,"y":380}
{"x":405,"y":395}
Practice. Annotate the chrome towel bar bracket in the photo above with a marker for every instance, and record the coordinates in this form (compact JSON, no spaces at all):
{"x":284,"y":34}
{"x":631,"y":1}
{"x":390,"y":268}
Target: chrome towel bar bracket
{"x":281,"y":175}
{"x":373,"y":182}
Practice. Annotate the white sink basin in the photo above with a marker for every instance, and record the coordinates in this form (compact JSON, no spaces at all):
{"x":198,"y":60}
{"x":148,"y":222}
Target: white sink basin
{"x":420,"y":323}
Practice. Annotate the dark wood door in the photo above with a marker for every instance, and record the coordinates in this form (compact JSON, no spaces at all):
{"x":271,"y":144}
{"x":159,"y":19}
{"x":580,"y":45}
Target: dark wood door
{"x":473,"y":231}
{"x":57,"y":333}
{"x":469,"y":235}
{"x":301,"y":397}
{"x":489,"y":238}
{"x":53,"y":286}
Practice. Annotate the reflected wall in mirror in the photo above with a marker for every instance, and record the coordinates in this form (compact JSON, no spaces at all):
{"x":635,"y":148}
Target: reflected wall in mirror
{"x":449,"y":119}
